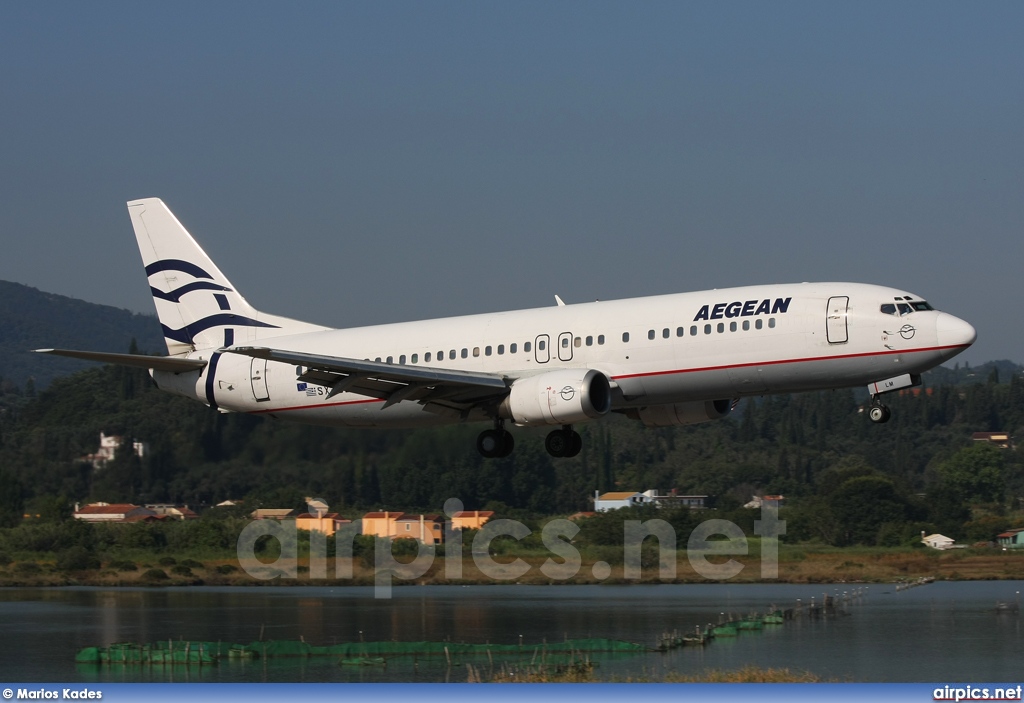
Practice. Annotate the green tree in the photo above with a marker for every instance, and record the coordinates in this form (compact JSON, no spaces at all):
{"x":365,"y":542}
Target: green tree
{"x":12,"y":499}
{"x":862,"y":505}
{"x":977,"y":473}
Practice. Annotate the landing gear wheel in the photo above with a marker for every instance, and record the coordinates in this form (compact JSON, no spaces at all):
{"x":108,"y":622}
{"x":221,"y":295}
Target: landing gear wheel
{"x":563,"y":443}
{"x":577,"y":445}
{"x":879,"y":413}
{"x":508,"y":444}
{"x":490,"y":443}
{"x":495,"y":444}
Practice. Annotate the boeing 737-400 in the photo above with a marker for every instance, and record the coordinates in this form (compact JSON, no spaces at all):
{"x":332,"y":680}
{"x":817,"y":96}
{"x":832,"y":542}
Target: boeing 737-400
{"x":663,"y":360}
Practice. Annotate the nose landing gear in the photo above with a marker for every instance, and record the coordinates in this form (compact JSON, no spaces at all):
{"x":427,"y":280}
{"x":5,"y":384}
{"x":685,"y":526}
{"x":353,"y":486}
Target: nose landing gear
{"x":879,"y":413}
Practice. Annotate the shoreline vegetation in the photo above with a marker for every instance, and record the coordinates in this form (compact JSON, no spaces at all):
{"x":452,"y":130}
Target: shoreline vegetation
{"x":798,"y":564}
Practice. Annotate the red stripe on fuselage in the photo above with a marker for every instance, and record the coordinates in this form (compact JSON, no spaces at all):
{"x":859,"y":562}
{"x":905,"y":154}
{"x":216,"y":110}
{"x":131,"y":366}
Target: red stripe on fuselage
{"x":790,"y":361}
{"x":657,"y":373}
{"x":321,"y":405}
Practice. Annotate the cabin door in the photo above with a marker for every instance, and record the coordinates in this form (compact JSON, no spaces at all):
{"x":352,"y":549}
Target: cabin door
{"x":835,"y":319}
{"x":258,"y":375}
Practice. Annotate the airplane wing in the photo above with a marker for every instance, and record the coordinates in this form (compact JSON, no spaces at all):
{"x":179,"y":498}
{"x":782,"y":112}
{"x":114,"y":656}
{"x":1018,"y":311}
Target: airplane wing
{"x":141,"y":361}
{"x":460,"y":390}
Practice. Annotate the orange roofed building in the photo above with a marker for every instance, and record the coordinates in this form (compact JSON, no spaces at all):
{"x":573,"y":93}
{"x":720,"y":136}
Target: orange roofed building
{"x":328,"y":523}
{"x":471,"y":519}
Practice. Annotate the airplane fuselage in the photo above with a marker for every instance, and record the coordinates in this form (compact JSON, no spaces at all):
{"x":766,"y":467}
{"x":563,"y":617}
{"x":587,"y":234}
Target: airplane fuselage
{"x":661,"y":350}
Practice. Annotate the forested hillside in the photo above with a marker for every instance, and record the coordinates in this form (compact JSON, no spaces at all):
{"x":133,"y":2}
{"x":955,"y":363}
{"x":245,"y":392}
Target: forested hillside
{"x":33,"y":319}
{"x":817,"y":449}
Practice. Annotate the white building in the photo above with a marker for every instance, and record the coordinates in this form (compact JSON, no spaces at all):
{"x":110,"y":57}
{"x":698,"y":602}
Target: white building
{"x":109,"y":445}
{"x":937,"y":541}
{"x":619,"y":499}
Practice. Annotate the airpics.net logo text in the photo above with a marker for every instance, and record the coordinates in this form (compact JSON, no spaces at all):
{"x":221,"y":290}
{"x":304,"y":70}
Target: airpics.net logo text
{"x":705,"y":546}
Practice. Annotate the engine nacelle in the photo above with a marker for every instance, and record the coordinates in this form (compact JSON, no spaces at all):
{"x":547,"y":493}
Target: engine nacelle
{"x":683,"y":413}
{"x":558,"y":398}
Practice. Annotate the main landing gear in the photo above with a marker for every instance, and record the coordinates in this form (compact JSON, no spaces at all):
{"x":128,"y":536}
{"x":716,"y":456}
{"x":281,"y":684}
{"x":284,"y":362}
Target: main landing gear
{"x":564,"y":442}
{"x":878,"y":412}
{"x":496,"y":443}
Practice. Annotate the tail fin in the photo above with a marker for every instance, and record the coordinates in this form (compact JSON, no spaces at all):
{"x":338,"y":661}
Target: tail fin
{"x":196,"y":303}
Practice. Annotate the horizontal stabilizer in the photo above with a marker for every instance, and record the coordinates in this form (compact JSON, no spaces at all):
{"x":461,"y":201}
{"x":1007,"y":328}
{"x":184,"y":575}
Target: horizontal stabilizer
{"x":141,"y":361}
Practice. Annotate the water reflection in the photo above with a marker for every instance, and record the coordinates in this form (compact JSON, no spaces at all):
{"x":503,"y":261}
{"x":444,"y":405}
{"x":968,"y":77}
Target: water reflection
{"x":943,"y":631}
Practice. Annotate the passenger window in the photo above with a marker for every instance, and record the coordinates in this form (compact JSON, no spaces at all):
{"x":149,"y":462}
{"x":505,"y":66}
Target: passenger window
{"x":401,"y":359}
{"x":746,"y":325}
{"x":600,"y":339}
{"x":465,"y":353}
{"x":577,"y":342}
{"x":707,"y":329}
{"x":426,"y":358}
{"x":487,"y":351}
{"x":889,"y":309}
{"x":565,"y":343}
{"x":501,"y":349}
{"x":476,"y":351}
{"x":650,"y":334}
{"x":526,"y":347}
{"x":440,"y":356}
{"x":377,"y":359}
{"x":512,"y":348}
{"x":771,"y":322}
{"x":758,"y":323}
{"x":665,"y":333}
{"x":541,"y":345}
{"x":451,"y":354}
{"x":625,"y":336}
{"x":721,"y":327}
{"x":732,"y":326}
{"x":590,"y":341}
{"x":693,"y":330}
{"x":391,"y":359}
{"x":679,"y":331}
{"x":415,"y":358}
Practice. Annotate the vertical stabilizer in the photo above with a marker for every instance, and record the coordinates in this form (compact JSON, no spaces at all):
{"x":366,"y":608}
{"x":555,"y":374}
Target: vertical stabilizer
{"x":197,"y":305}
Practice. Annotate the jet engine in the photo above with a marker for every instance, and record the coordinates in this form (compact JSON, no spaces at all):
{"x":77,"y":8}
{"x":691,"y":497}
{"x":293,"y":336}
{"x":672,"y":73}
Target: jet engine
{"x":558,"y":398}
{"x":682,"y":413}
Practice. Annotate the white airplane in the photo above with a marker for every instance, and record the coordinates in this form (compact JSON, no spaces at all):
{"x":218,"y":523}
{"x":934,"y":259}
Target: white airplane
{"x":664,"y":360}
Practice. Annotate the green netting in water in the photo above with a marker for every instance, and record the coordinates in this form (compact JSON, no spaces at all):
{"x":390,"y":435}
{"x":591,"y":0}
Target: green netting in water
{"x":192,"y":652}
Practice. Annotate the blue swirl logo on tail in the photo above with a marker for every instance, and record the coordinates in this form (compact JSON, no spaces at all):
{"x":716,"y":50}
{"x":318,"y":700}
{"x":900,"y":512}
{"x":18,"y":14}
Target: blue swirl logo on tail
{"x":187,"y":334}
{"x":177,"y":265}
{"x":174,"y":296}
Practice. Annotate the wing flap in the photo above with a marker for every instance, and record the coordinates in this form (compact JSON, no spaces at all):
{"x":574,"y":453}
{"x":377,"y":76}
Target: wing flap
{"x":390,"y":382}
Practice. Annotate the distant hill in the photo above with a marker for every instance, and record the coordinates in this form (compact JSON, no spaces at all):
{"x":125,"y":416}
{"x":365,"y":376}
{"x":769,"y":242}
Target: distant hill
{"x":962,"y":373}
{"x":33,"y":319}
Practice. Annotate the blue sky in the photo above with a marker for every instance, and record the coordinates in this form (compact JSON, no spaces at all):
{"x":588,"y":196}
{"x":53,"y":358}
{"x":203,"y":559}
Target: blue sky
{"x":352,"y":163}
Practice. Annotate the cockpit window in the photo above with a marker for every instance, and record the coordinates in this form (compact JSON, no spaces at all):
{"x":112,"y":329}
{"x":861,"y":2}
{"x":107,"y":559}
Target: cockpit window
{"x":905,"y":308}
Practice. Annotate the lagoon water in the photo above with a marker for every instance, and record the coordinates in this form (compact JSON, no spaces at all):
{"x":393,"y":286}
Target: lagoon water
{"x":940,"y":632}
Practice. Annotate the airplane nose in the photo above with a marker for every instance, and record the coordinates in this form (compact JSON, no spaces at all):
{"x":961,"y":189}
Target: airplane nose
{"x":951,"y":331}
